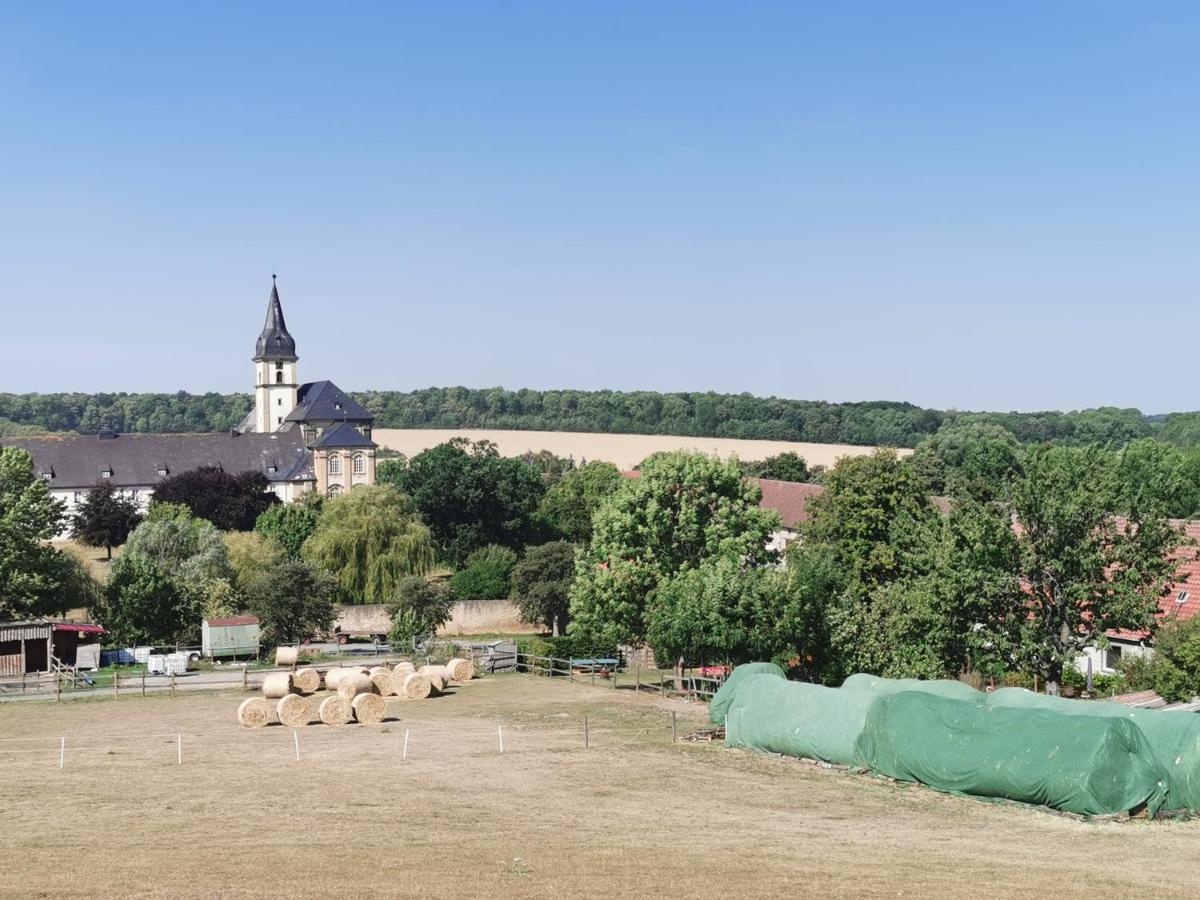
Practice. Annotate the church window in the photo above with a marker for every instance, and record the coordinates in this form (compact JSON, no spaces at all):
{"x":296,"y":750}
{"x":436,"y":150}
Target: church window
{"x":335,"y":465}
{"x":360,"y":464}
{"x":334,"y":490}
{"x":279,"y":377}
{"x":279,"y":420}
{"x":279,"y":402}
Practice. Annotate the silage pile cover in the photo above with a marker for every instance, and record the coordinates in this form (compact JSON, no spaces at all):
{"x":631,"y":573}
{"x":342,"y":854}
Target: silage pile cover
{"x":1081,"y":764}
{"x":768,"y":712}
{"x":1173,"y":736}
{"x":724,"y":696}
{"x":956,"y":690}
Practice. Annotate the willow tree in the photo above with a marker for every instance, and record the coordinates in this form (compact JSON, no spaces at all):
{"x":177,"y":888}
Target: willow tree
{"x":369,"y":540}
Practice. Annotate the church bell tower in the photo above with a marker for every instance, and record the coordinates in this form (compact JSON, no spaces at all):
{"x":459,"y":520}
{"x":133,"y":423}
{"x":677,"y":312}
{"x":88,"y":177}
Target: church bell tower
{"x":276,"y":369}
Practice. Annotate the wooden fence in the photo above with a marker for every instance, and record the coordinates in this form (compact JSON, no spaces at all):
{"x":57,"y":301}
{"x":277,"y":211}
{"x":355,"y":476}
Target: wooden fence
{"x":658,"y":681}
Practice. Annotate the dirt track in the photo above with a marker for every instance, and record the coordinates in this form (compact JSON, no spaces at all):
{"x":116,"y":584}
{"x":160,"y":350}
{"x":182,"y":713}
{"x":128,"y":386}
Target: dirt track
{"x":632,"y":815}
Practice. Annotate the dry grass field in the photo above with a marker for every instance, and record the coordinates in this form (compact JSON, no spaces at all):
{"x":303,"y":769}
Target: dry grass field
{"x":634,"y":815}
{"x":625,"y":450}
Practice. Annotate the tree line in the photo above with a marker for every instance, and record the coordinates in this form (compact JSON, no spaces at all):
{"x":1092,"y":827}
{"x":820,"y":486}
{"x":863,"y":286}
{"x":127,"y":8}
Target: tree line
{"x":632,"y":412}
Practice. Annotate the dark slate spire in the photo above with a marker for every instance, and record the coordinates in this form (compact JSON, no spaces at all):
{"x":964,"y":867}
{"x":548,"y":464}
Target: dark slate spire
{"x":275,"y":342}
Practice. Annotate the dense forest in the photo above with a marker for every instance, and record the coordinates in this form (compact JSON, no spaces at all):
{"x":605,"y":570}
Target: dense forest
{"x":634,"y":412}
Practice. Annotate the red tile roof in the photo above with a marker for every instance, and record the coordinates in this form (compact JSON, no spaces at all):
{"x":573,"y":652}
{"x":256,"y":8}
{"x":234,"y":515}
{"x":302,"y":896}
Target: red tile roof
{"x":233,"y":620}
{"x":1186,"y":585}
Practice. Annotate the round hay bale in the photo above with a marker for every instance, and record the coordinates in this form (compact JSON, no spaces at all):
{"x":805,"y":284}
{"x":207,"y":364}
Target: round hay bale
{"x":436,"y":675}
{"x":277,"y":684}
{"x":355,"y":683}
{"x":334,"y":676}
{"x":384,"y":681}
{"x":286,"y":656}
{"x":293,"y":711}
{"x":254,"y":713}
{"x":369,"y":708}
{"x":335,"y":711}
{"x":305,"y":681}
{"x":460,"y":669}
{"x":415,"y":686}
{"x":402,"y":668}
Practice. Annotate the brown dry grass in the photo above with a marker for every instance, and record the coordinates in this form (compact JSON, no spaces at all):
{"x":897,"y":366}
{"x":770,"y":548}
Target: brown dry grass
{"x":634,"y":815}
{"x":625,"y":450}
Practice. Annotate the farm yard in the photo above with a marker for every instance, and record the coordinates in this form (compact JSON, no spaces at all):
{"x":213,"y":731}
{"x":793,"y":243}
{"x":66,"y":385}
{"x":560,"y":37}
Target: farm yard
{"x":240,"y":816}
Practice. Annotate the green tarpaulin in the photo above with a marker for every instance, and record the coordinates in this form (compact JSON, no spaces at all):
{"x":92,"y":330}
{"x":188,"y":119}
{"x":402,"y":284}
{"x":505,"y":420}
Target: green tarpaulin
{"x":1087,"y":764}
{"x":1080,"y":764}
{"x":723,"y":697}
{"x":1173,"y":736}
{"x":945,"y":688}
{"x":770,"y":713}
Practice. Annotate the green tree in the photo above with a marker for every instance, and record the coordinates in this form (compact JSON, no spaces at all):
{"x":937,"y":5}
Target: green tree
{"x":422,"y":606}
{"x":1151,"y":474}
{"x":570,"y":503}
{"x":291,"y":523}
{"x":105,"y":518}
{"x":232,"y":502}
{"x":486,"y":576}
{"x":292,"y":599}
{"x":252,"y":555}
{"x":31,"y":572}
{"x":684,"y":509}
{"x":368,"y":540}
{"x":973,"y":459}
{"x":1086,"y":571}
{"x":142,"y":604}
{"x":541,"y":584}
{"x":853,"y":518}
{"x":786,"y":466}
{"x":1175,"y":666}
{"x":470,"y":496}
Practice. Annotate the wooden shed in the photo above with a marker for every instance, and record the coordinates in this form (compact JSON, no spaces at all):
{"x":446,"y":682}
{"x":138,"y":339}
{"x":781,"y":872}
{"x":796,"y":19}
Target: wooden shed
{"x":30,"y":646}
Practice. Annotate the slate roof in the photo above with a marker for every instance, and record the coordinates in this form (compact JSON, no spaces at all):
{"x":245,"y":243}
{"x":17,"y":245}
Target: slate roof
{"x":77,"y":461}
{"x":324,"y":401}
{"x":341,"y":435}
{"x":275,"y":342}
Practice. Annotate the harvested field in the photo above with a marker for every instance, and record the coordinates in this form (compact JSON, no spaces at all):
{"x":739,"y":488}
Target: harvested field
{"x":625,"y":450}
{"x":632,"y":815}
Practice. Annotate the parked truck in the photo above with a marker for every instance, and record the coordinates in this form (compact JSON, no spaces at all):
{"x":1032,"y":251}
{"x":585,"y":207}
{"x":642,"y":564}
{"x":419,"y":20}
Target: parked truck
{"x":371,"y":620}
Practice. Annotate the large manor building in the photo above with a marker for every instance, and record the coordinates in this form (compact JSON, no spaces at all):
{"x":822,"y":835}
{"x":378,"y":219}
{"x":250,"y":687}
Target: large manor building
{"x":302,"y":437}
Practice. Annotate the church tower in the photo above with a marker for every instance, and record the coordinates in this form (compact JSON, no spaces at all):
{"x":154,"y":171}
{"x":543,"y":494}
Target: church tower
{"x":276,"y":369}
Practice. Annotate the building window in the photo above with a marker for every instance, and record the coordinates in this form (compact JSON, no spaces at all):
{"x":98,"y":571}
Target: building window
{"x":334,"y":490}
{"x":162,"y":471}
{"x":335,"y":465}
{"x":279,"y":377}
{"x":270,"y":470}
{"x":1112,"y":657}
{"x":79,"y":496}
{"x":106,"y":473}
{"x":1182,"y":597}
{"x":279,"y":420}
{"x":360,"y":464}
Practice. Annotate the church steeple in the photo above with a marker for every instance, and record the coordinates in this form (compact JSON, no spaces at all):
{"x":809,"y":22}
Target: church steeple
{"x":276,"y":370}
{"x":275,"y":342}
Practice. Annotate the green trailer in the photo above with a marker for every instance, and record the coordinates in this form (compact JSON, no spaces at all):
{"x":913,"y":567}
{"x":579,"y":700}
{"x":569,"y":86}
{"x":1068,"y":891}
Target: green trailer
{"x":230,"y":637}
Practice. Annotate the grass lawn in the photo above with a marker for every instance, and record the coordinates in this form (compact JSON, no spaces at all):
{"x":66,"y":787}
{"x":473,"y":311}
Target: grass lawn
{"x":632,"y":815}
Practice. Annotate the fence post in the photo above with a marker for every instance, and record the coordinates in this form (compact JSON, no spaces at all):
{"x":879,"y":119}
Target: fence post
{"x":179,"y":746}
{"x":116,"y":681}
{"x":637,"y":684}
{"x":143,"y":682}
{"x":593,"y":673}
{"x":62,"y":751}
{"x":172,"y":684}
{"x":245,"y":678}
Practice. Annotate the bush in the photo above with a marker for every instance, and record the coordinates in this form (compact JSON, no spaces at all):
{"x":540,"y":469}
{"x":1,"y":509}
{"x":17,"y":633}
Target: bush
{"x":1107,"y":685}
{"x":487,"y":575}
{"x":1176,"y":663}
{"x":421,"y":608}
{"x":1137,"y":672}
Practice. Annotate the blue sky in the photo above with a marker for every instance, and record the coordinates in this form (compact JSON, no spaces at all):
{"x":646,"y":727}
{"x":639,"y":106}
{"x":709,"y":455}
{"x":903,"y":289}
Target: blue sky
{"x":979,"y":206}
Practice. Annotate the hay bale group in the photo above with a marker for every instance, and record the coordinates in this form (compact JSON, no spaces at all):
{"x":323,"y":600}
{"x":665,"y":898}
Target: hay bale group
{"x":356,"y":694}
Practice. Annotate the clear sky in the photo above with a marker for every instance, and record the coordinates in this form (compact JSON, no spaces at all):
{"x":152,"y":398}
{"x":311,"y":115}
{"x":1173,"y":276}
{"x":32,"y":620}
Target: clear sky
{"x":970,"y":205}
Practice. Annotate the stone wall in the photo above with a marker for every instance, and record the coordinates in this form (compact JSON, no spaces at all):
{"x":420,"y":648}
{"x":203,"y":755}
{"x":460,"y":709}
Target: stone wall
{"x":486,"y":617}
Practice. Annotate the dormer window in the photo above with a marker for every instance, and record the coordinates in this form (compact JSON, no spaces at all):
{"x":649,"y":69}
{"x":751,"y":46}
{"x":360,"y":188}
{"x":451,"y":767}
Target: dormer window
{"x":46,"y":476}
{"x":106,"y":473}
{"x":163,"y":471}
{"x":1182,"y":597}
{"x":270,"y":470}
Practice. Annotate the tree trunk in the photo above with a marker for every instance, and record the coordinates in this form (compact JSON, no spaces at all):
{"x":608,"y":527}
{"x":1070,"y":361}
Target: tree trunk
{"x":108,"y":547}
{"x":679,"y":674}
